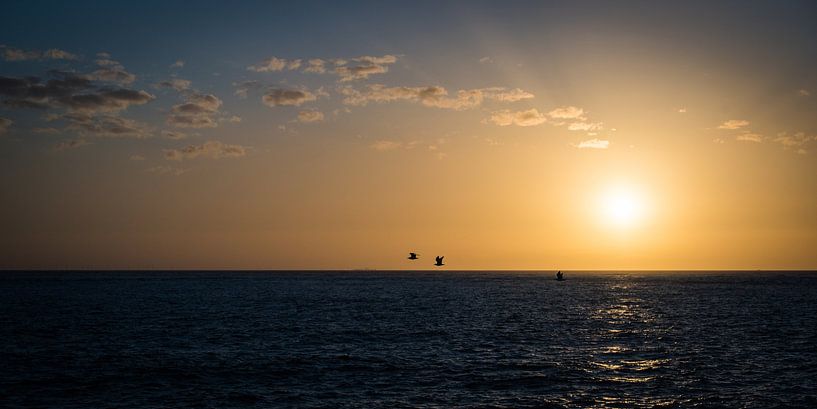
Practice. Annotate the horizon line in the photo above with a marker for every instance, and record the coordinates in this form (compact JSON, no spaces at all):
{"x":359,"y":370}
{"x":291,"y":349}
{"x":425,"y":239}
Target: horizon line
{"x":361,"y":270}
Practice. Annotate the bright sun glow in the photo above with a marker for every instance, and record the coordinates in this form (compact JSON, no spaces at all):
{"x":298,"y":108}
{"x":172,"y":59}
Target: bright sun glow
{"x":622,"y":207}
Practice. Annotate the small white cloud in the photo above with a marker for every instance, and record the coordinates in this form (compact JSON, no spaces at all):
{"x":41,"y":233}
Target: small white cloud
{"x":210,"y":149}
{"x":273,"y":64}
{"x":163,"y":170}
{"x":199,"y":111}
{"x":431,"y":96}
{"x":585,"y":126}
{"x":13,"y":54}
{"x":749,"y":137}
{"x":734,"y":124}
{"x":364,"y":66}
{"x":682,"y":110}
{"x":287,"y":97}
{"x":137,"y":157}
{"x":55,"y":54}
{"x":795,"y":140}
{"x":566,"y":112}
{"x":45,"y":131}
{"x":112,"y":71}
{"x":802,"y":151}
{"x":176,"y":83}
{"x":243,"y":88}
{"x":110,"y":126}
{"x":803,"y":93}
{"x":486,"y":60}
{"x":506,"y":117}
{"x":385,"y":145}
{"x":316,"y":65}
{"x":308,"y":116}
{"x":174,"y":135}
{"x":70,"y":144}
{"x":177,"y":64}
{"x":593,"y":144}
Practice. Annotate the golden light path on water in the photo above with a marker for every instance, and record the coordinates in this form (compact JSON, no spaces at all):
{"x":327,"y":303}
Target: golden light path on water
{"x":618,"y":358}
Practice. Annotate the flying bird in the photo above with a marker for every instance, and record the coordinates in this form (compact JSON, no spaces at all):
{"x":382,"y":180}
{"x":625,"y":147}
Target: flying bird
{"x":439,"y":261}
{"x":412,"y":256}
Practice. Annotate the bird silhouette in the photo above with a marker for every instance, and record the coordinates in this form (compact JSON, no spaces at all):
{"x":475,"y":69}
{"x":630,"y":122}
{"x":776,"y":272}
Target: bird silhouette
{"x":412,"y":256}
{"x":439,"y":261}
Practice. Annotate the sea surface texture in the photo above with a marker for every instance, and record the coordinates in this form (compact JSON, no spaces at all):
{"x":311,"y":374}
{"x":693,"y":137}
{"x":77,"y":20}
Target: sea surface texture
{"x":403,"y":339}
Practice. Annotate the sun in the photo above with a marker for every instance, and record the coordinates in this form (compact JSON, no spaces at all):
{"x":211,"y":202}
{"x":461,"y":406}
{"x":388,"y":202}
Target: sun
{"x":622,"y":206}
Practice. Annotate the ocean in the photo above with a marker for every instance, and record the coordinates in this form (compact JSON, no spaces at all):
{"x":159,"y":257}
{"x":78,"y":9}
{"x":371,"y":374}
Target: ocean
{"x":408,"y":339}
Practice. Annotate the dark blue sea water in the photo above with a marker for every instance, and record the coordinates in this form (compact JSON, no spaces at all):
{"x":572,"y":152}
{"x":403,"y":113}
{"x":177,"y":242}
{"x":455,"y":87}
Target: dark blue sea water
{"x":387,"y":339}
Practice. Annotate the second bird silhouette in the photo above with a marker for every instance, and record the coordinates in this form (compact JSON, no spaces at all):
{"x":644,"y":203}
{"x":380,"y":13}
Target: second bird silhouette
{"x":412,"y":256}
{"x":439,"y":261}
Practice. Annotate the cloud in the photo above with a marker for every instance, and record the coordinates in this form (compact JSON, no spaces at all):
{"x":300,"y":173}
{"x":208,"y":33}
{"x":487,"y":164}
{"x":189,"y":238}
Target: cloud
{"x":485,"y":60}
{"x":803,"y":93}
{"x":316,"y":65}
{"x":566,"y":112}
{"x":386,"y":145}
{"x":210,"y":149}
{"x":56,"y":54}
{"x":30,"y":92}
{"x":275,"y":64}
{"x":46,"y":131}
{"x":68,"y":90}
{"x":585,"y":126}
{"x":501,"y":94}
{"x":733,"y":124}
{"x":112,"y":71}
{"x":199,"y":111}
{"x":244,"y":87}
{"x":176,"y":83}
{"x":162,"y":170}
{"x":13,"y":54}
{"x":70,"y":144}
{"x":137,"y":157}
{"x":274,"y":97}
{"x":5,"y":124}
{"x":682,"y":110}
{"x":307,"y":116}
{"x":174,"y":135}
{"x":431,"y":96}
{"x":177,"y":64}
{"x":106,"y":126}
{"x":749,"y":137}
{"x":794,"y":140}
{"x":363,"y":66}
{"x":105,"y":100}
{"x":506,"y":117}
{"x":593,"y":144}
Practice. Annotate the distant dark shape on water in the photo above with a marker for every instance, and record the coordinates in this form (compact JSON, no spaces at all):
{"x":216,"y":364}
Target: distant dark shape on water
{"x":438,"y":261}
{"x":412,"y":256}
{"x":560,"y":276}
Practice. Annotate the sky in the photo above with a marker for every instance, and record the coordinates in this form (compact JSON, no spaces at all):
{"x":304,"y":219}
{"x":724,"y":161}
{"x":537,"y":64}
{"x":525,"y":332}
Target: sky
{"x":342,"y":135}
